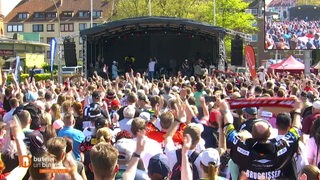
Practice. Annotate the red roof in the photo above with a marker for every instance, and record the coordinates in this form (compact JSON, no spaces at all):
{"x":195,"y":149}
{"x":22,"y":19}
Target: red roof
{"x":32,"y":6}
{"x":289,"y":64}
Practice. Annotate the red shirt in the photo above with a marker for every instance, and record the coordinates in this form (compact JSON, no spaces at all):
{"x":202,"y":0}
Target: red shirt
{"x":154,"y":133}
{"x":307,"y":123}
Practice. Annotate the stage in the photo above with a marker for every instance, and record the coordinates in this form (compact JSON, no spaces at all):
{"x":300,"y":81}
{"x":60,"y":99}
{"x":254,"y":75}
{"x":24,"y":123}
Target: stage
{"x":170,"y":40}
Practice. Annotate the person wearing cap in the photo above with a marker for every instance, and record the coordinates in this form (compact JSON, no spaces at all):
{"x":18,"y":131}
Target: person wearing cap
{"x":126,"y":149}
{"x":96,"y":104}
{"x":114,"y":70}
{"x":250,"y":114}
{"x":159,"y":167}
{"x":308,"y":121}
{"x":259,"y":157}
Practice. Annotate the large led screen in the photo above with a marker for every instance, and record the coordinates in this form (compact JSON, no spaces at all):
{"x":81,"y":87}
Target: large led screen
{"x":292,"y":24}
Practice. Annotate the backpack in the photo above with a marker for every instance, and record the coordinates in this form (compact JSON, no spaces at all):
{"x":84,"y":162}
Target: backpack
{"x":35,"y":114}
{"x":176,"y":170}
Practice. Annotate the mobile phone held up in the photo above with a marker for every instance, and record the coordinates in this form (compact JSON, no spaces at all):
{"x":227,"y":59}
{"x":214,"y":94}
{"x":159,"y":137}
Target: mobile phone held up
{"x":210,"y":98}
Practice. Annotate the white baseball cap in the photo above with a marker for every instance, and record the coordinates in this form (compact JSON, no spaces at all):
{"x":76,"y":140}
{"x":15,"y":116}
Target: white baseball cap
{"x":210,"y":156}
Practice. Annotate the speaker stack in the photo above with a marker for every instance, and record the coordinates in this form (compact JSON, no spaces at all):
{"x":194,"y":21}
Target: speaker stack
{"x":70,"y":53}
{"x":237,"y":51}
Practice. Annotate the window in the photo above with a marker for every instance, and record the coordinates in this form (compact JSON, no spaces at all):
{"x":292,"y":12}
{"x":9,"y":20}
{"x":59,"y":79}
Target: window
{"x":80,"y":54}
{"x":50,"y":27}
{"x":14,"y":28}
{"x":80,"y":40}
{"x":39,"y":15}
{"x":83,"y":14}
{"x":95,"y":24}
{"x":48,"y":54}
{"x":96,"y":14}
{"x":82,"y":26}
{"x":41,"y":40}
{"x":23,"y":15}
{"x":37,"y":28}
{"x":67,"y":27}
{"x":67,"y":14}
{"x":51,"y":15}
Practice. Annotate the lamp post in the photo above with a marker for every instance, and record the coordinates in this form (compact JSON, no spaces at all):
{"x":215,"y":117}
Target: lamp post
{"x":59,"y":43}
{"x":214,"y":13}
{"x":150,"y":8}
{"x":91,"y":13}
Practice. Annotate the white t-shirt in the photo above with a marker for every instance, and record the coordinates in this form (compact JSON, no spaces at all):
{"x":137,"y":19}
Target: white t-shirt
{"x":152,"y":65}
{"x":311,"y":151}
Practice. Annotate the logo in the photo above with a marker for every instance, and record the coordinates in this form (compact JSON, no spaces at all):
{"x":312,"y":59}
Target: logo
{"x":25,"y":161}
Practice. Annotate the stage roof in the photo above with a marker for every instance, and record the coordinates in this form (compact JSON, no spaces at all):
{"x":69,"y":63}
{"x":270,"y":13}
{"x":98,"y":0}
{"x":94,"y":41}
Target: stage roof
{"x":152,"y":23}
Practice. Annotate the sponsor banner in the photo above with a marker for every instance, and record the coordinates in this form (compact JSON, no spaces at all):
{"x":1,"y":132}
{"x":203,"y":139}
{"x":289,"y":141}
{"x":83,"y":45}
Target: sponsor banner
{"x":251,"y":60}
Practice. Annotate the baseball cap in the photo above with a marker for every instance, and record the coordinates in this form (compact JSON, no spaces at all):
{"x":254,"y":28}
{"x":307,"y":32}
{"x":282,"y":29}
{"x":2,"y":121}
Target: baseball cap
{"x":115,"y":102}
{"x":159,"y":164}
{"x":250,"y":110}
{"x":58,"y":124}
{"x":210,"y":156}
{"x":100,"y":122}
{"x":145,"y":116}
{"x":125,"y":147}
{"x":316,"y":104}
{"x":94,"y":112}
{"x":31,"y":96}
{"x":37,"y":145}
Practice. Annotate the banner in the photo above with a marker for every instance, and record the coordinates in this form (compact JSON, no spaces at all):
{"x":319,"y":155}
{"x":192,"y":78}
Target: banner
{"x":261,"y":102}
{"x":53,"y":45}
{"x":251,"y":60}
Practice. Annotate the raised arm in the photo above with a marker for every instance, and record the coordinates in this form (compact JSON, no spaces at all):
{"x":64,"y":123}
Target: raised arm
{"x":130,"y":172}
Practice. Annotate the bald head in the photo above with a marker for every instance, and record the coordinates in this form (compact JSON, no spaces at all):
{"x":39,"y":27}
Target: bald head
{"x":261,"y":131}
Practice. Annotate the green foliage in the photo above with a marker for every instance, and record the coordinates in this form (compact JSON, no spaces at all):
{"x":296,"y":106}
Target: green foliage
{"x":308,"y":2}
{"x":37,"y":77}
{"x":46,"y":67}
{"x":230,"y":14}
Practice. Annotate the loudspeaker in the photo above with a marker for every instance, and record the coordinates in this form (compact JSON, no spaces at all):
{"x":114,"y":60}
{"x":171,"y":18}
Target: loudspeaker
{"x":236,"y":52}
{"x":70,"y":53}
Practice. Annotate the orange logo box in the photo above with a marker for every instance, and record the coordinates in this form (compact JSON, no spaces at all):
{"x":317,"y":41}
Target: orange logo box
{"x":25,"y":161}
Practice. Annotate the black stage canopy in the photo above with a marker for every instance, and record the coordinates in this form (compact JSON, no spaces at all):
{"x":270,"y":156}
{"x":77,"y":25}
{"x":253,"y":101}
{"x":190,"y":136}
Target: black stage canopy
{"x":169,"y":39}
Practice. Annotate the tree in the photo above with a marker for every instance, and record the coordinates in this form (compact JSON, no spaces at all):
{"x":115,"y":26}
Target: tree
{"x":230,"y":13}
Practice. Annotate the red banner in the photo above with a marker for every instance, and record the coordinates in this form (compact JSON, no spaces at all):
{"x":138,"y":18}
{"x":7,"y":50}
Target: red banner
{"x":261,"y":102}
{"x":251,"y":60}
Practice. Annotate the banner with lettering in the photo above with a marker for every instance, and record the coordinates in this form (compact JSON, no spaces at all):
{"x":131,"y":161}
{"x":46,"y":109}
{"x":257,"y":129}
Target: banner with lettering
{"x":261,"y":102}
{"x":251,"y":60}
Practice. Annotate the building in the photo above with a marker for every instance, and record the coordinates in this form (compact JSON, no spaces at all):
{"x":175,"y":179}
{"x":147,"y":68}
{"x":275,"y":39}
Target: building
{"x":54,"y":19}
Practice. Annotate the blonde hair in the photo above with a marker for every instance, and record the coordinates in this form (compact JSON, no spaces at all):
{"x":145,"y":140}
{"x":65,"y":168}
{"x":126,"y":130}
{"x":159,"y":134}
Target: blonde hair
{"x":211,"y":170}
{"x":66,"y":106}
{"x":45,"y":119}
{"x":55,"y":108}
{"x":103,"y":135}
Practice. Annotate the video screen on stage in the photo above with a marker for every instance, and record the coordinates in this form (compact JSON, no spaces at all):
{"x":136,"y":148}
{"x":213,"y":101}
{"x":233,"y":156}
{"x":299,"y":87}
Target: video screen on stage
{"x":292,"y":24}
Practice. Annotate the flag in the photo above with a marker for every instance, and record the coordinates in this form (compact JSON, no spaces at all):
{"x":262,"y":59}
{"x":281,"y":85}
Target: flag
{"x":17,"y":69}
{"x":251,"y":60}
{"x":53,"y":45}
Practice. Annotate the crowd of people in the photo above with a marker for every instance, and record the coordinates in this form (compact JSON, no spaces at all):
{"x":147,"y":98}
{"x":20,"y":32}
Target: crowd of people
{"x":169,"y":128}
{"x":296,"y":34}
